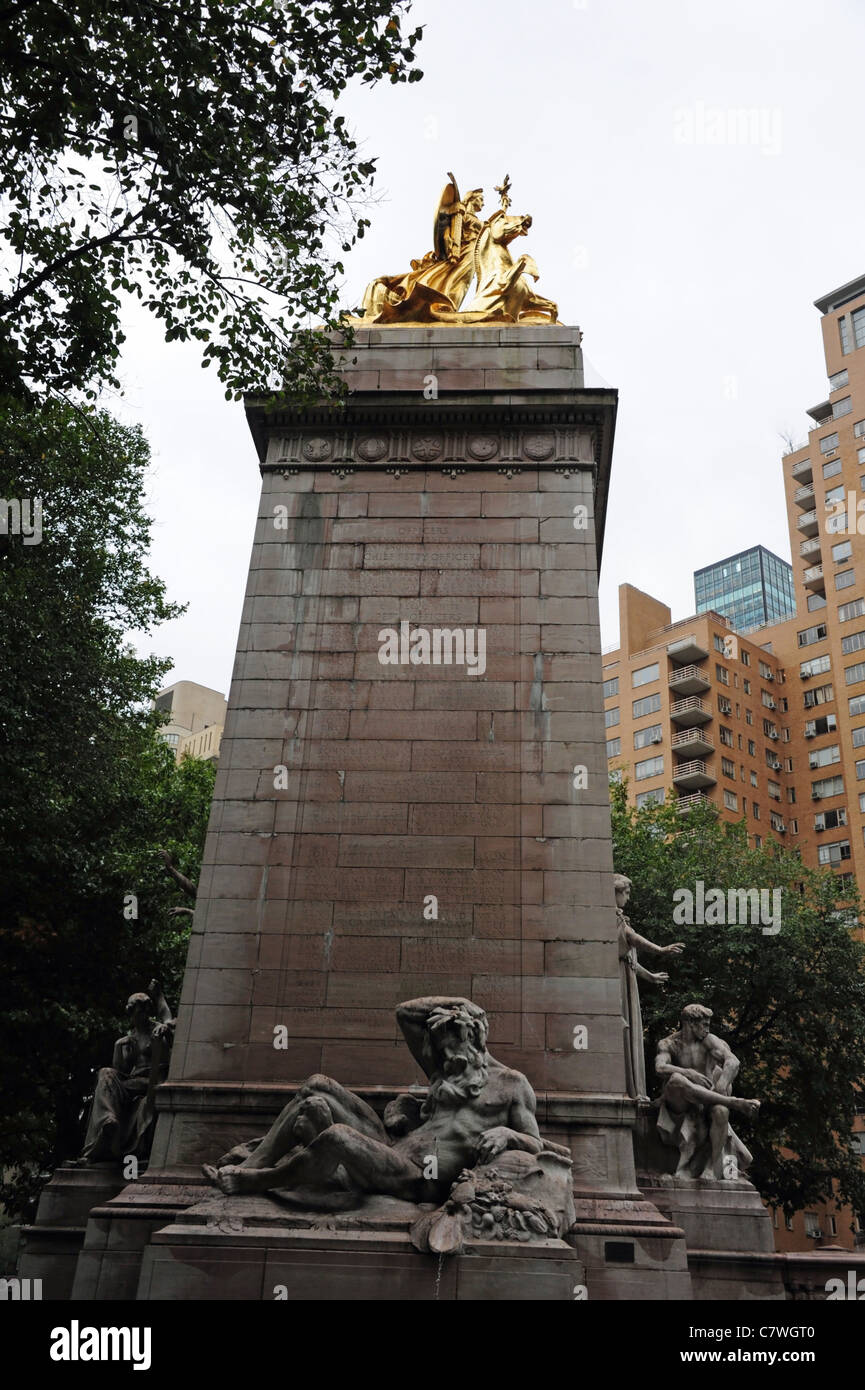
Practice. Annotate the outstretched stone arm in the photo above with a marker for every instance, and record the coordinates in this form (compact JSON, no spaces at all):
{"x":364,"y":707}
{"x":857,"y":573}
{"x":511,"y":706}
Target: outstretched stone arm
{"x":642,"y":943}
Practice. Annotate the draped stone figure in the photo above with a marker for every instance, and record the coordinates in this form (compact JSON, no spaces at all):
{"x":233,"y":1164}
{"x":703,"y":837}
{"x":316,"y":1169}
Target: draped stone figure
{"x":122,"y":1113}
{"x":631,"y":972}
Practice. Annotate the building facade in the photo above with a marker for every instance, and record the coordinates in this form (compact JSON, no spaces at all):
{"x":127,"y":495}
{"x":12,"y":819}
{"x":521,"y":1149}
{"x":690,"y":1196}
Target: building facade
{"x":770,"y":727}
{"x":751,"y":589}
{"x":196,"y":717}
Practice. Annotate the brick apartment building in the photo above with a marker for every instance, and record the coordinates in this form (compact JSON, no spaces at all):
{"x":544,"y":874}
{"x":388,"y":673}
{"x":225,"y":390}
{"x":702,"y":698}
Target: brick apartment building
{"x":770,"y":726}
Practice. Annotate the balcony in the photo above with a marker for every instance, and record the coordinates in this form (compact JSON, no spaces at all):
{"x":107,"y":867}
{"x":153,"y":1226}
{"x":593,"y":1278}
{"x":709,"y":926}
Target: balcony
{"x":804,"y":496}
{"x":808,"y":524}
{"x":810,"y":549}
{"x":684,"y":803}
{"x":692,"y":743}
{"x":813,"y":578}
{"x":689,"y":680}
{"x":687,"y":649}
{"x":693,"y":774}
{"x":802,"y":471}
{"x":690,"y":711}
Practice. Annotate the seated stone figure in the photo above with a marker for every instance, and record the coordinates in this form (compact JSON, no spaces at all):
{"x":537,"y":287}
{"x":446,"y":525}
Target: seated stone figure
{"x":328,"y":1140}
{"x":122,"y":1113}
{"x":698,"y":1071}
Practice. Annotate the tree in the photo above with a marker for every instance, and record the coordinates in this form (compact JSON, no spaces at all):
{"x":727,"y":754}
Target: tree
{"x":88,"y":796}
{"x":791,"y":1004}
{"x":191,"y":155}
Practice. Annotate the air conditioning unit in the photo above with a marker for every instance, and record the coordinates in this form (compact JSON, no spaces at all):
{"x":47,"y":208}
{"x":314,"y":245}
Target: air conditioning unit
{"x":658,"y":739}
{"x":773,"y":735}
{"x":810,"y":733}
{"x":806,"y":675}
{"x":782,"y":829}
{"x":819,"y":828}
{"x":816,"y":796}
{"x":776,"y":765}
{"x":770,"y":704}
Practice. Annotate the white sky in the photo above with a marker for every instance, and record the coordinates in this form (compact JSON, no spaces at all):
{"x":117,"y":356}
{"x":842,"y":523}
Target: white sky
{"x":690,"y":265}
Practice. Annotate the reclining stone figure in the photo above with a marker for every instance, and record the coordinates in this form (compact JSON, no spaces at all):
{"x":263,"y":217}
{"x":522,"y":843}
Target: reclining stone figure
{"x":329,"y":1141}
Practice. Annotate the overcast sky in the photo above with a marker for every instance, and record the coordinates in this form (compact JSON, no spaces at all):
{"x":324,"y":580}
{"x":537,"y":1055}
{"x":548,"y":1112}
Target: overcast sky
{"x":694,"y":171}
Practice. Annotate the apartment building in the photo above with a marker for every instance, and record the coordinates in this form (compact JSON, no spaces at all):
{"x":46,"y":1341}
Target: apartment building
{"x":196,"y":716}
{"x":769,"y":726}
{"x":752,"y":588}
{"x":695,"y":710}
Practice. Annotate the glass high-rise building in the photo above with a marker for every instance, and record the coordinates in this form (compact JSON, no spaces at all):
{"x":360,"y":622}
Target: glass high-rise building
{"x":750,"y":589}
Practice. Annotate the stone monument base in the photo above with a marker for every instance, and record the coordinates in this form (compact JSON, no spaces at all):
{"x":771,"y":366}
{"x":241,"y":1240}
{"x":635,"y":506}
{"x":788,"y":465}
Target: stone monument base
{"x":728,"y":1234}
{"x":255,"y":1249}
{"x":51,"y":1246}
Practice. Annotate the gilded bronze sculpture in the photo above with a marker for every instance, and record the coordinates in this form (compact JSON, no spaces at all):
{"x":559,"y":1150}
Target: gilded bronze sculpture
{"x":464,"y":249}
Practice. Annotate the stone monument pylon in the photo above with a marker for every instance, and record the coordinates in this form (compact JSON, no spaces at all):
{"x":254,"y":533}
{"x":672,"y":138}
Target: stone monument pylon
{"x":411,"y":801}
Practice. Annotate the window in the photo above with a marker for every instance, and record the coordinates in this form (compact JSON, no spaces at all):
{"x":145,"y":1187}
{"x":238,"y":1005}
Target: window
{"x":858,"y":320}
{"x":794,"y":827}
{"x":828,"y":443}
{"x":836,"y":524}
{"x":758,"y":839}
{"x":614,"y":747}
{"x":722,"y":674}
{"x":839,"y":379}
{"x":834,"y":494}
{"x":777,"y":822}
{"x":854,"y":609}
{"x":728,"y":767}
{"x":611,"y":717}
{"x":815,"y":667}
{"x":788,"y":1222}
{"x":649,"y":704}
{"x":859,"y":429}
{"x":774,"y":788}
{"x":834,"y":853}
{"x":825,"y":724}
{"x":767,"y":698}
{"x":731,"y":800}
{"x":769,"y":729}
{"x":649,"y":767}
{"x":812,"y":1224}
{"x":862,"y":804}
{"x":724,"y":705}
{"x":725,"y":735}
{"x":753,"y":778}
{"x":844,"y":335}
{"x":854,"y":643}
{"x":819,"y":695}
{"x":860,"y":772}
{"x":749,"y":718}
{"x":791,"y":791}
{"x":717,"y":642}
{"x":822,"y":757}
{"x":842,"y":407}
{"x":816,"y":602}
{"x":841,"y":551}
{"x":856,"y":704}
{"x":829,"y":820}
{"x":655,"y":797}
{"x":859,"y":736}
{"x":845,"y":578}
{"x":645,"y":675}
{"x":746,"y":658}
{"x":611,"y":687}
{"x":651,"y":734}
{"x":832,"y":468}
{"x":853,"y":674}
{"x":766,"y":671}
{"x":809,"y":635}
{"x":746,"y":686}
{"x":755,"y":811}
{"x":827,"y":786}
{"x":752,"y":748}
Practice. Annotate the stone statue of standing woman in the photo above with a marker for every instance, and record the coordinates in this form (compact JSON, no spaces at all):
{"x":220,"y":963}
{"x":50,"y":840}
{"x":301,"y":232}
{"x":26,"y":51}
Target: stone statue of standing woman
{"x":631,"y":972}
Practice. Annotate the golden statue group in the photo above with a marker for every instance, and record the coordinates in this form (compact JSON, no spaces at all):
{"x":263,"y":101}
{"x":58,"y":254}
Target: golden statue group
{"x":465,"y":249}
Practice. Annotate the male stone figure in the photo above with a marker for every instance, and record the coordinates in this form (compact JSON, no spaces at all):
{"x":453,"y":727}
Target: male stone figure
{"x":327,"y":1138}
{"x":630,"y":971}
{"x":698,"y":1071}
{"x":122,"y":1113}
